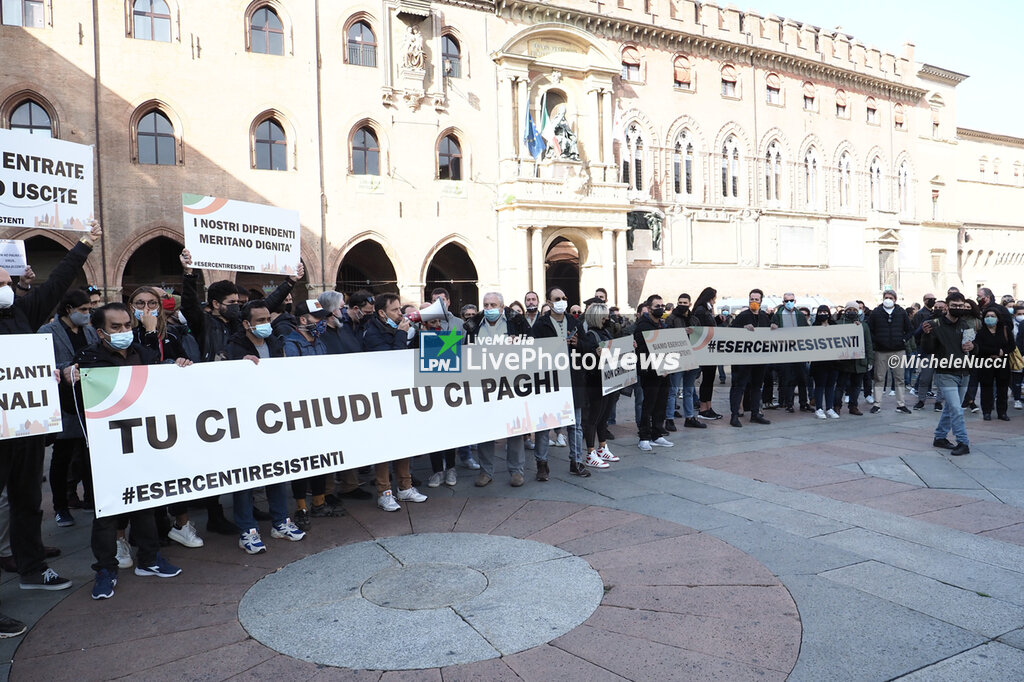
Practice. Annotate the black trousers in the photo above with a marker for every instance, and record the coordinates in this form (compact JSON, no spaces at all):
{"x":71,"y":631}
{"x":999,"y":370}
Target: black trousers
{"x":652,"y":412}
{"x":595,"y":416}
{"x":440,"y":461}
{"x":989,"y":378}
{"x":64,"y":450}
{"x":742,"y":376}
{"x":143,"y":533}
{"x":317,"y":486}
{"x":21,"y":473}
{"x":707,"y":383}
{"x":792,"y":376}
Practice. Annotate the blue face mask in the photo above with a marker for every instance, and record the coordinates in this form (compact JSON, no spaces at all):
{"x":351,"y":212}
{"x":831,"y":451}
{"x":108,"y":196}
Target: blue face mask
{"x":121,"y":340}
{"x":492,"y":314}
{"x":790,"y":305}
{"x":319,"y":328}
{"x":991,"y":321}
{"x":262,"y":331}
{"x":391,"y":323}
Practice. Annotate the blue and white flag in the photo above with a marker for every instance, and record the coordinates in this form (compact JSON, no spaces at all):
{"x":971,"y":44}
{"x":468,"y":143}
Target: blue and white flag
{"x":531,"y":137}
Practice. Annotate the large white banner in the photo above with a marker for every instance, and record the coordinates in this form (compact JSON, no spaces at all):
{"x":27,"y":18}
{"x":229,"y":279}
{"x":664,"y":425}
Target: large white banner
{"x":763,"y":346}
{"x":29,"y":400}
{"x":45,"y":183}
{"x":224,"y":234}
{"x":12,"y":256}
{"x":160,"y":434}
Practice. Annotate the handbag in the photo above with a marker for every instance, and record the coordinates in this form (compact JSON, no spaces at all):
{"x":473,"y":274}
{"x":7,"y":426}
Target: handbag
{"x":1016,"y":361}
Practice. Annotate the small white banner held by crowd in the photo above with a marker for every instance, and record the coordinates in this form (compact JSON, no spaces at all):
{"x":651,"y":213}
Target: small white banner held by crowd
{"x":762,"y":346}
{"x":670,"y":351}
{"x":45,"y":183}
{"x":160,"y":434}
{"x":29,"y":402}
{"x":618,"y":364}
{"x":223,"y":234}
{"x":12,"y":256}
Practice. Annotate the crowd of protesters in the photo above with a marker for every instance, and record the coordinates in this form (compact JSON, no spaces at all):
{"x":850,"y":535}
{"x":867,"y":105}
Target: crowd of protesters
{"x":230,"y":323}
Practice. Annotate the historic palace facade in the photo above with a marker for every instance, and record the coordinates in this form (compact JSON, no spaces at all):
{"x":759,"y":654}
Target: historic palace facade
{"x":699,"y":145}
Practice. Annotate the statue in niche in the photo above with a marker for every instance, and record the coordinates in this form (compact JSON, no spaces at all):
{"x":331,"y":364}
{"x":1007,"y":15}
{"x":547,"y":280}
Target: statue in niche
{"x":654,"y":224}
{"x":637,"y":220}
{"x":412,"y":49}
{"x":567,"y":144}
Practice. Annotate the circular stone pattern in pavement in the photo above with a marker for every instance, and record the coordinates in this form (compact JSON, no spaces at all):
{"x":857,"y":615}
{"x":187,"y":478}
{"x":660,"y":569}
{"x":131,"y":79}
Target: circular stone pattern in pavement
{"x":421,"y":601}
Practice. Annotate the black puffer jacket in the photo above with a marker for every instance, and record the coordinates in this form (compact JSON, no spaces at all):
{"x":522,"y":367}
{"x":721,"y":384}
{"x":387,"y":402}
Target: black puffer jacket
{"x":889,"y":333}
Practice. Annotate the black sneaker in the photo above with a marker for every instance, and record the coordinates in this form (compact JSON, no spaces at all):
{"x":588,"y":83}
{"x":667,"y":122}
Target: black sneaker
{"x":694,"y":423}
{"x":904,"y":409}
{"x":943,"y":443}
{"x":64,"y":518}
{"x":919,"y":404}
{"x":302,"y":520}
{"x":735,"y":421}
{"x":324,"y":511}
{"x":47,"y":580}
{"x":220,"y":525}
{"x":789,"y":408}
{"x":10,"y":627}
{"x":709,"y":414}
{"x":357,"y":494}
{"x":670,"y":425}
{"x":960,"y":449}
{"x":875,"y":409}
{"x":938,"y":407}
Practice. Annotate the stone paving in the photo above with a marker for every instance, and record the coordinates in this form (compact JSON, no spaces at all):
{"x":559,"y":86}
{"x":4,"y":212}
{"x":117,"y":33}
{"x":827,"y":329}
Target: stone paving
{"x":815,"y":550}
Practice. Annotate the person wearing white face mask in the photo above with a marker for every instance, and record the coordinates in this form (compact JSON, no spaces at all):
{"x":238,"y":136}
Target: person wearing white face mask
{"x":890,"y":328}
{"x":1018,"y":334}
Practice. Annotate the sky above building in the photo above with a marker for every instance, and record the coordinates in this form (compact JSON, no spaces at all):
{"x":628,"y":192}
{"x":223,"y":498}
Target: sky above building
{"x":975,"y":38}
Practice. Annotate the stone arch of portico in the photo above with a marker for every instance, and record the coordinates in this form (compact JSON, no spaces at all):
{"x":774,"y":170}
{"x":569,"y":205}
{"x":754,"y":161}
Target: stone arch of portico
{"x":595,"y":55}
{"x":67,"y":240}
{"x":147,"y":233}
{"x":339,"y":254}
{"x":454,"y":238}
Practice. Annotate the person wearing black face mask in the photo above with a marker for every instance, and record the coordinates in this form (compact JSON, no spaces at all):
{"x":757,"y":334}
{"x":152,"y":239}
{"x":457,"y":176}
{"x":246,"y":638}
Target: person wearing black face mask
{"x":945,"y":338}
{"x":655,"y":388}
{"x":851,"y":372}
{"x":679,"y":318}
{"x":825,"y":374}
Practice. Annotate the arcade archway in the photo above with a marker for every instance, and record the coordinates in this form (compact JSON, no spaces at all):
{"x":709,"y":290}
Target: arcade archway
{"x":154,"y":263}
{"x":43,"y":254}
{"x":562,"y":268}
{"x":452,"y":268}
{"x":367,"y":266}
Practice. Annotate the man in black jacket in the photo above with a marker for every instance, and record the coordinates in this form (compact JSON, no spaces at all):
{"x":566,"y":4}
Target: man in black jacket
{"x":651,"y":429}
{"x":890,"y":329}
{"x":753,"y":375}
{"x":21,"y":459}
{"x":554,"y":325}
{"x":118,"y":348}
{"x":944,"y":339}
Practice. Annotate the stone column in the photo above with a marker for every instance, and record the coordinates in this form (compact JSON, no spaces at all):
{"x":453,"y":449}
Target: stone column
{"x":607,"y":118}
{"x":621,"y":286}
{"x":523,"y":100}
{"x":537,"y":259}
{"x":608,"y":258}
{"x":506,"y":117}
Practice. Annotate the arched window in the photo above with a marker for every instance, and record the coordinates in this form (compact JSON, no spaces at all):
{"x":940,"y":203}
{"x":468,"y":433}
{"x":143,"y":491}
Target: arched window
{"x":682,"y":164}
{"x":845,"y":181}
{"x":155,"y":141}
{"x":811,"y":178}
{"x":729,"y":79}
{"x":630,"y":64}
{"x":151,"y":20}
{"x":903,"y":178}
{"x":872,"y":111}
{"x":731,"y":168}
{"x":271,"y":146}
{"x":841,"y":104}
{"x":810,"y":97}
{"x":266,"y":32}
{"x":773,"y":173}
{"x":31,"y":118}
{"x":899,"y":117}
{"x":365,"y":152}
{"x":681,"y":75}
{"x":28,"y":13}
{"x":449,"y":159}
{"x":773,"y":85}
{"x":632,"y":161}
{"x":362,"y":45}
{"x":451,"y":56}
{"x":875,"y":183}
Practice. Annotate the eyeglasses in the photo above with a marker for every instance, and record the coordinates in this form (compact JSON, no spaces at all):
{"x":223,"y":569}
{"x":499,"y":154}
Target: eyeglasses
{"x":146,"y":304}
{"x":369,"y":299}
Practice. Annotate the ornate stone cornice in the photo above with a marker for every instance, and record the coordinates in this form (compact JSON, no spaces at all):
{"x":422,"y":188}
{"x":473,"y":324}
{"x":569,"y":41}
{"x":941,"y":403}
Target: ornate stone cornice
{"x":937,"y":73}
{"x":617,"y":28}
{"x":981,"y":136}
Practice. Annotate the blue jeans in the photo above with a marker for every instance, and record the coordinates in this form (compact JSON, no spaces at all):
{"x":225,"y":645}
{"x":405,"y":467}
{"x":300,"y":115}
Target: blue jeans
{"x":690,"y":400}
{"x":952,"y":388}
{"x":277,"y":497}
{"x":540,"y":445}
{"x":638,"y":400}
{"x":674,"y":382}
{"x":574,"y":434}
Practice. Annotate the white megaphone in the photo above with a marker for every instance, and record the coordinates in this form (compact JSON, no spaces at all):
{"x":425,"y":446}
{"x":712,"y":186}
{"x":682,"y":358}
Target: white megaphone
{"x":435,"y":311}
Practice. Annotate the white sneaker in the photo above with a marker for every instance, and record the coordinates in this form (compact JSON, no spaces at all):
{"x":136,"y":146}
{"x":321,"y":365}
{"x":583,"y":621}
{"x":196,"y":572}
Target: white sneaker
{"x":645,"y":445}
{"x":832,"y":414}
{"x":435,"y":480}
{"x":287,"y":530}
{"x":124,"y":554}
{"x":387,"y":502}
{"x":186,"y":535}
{"x":870,"y":399}
{"x":251,"y":542}
{"x":820,"y":413}
{"x":561,"y":442}
{"x":606,"y":454}
{"x":551,"y":443}
{"x":594,"y":461}
{"x":892,"y":392}
{"x":450,"y":478}
{"x":912,"y":391}
{"x":1017,"y":405}
{"x":846,"y":399}
{"x":662,"y":442}
{"x":411,"y":495}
